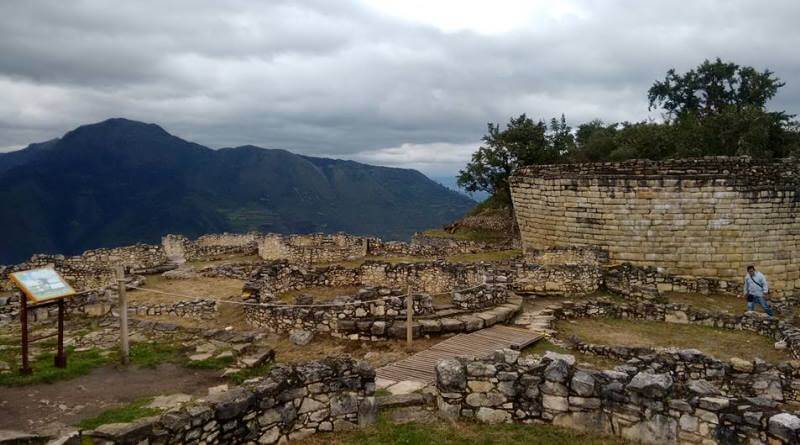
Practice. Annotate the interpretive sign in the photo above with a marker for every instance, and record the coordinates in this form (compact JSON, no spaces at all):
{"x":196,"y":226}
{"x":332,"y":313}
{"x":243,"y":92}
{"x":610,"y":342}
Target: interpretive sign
{"x":42,"y":285}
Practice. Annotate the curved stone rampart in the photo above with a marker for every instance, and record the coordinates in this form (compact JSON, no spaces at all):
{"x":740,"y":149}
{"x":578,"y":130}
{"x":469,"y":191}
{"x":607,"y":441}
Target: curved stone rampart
{"x":705,"y":217}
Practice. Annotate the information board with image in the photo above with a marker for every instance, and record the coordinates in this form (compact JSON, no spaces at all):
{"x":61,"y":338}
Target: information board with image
{"x":42,"y":285}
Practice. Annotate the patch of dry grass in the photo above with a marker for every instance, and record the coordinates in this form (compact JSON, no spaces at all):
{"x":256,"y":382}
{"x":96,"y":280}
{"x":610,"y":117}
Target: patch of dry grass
{"x":479,"y":235}
{"x":377,"y":353}
{"x":319,"y":293}
{"x":593,"y":361}
{"x":199,"y":287}
{"x":720,"y":343}
{"x":713,"y":302}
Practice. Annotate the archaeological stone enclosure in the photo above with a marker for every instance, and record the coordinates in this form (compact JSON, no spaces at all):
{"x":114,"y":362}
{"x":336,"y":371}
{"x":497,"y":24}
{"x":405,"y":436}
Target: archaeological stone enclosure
{"x":611,"y":241}
{"x":706,"y":217}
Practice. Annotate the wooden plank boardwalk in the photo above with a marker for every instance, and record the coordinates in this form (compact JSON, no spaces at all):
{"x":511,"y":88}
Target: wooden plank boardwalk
{"x":420,"y":367}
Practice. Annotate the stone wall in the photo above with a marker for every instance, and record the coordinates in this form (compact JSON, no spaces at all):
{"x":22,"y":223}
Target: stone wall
{"x":94,"y":268}
{"x":564,"y":280}
{"x":772,"y":327}
{"x":641,"y":406}
{"x":706,"y":217}
{"x":291,"y":403}
{"x":737,"y":377}
{"x":429,"y":277}
{"x":650,"y":282}
{"x":209,"y":247}
{"x":338,"y":316}
{"x":314,"y":248}
{"x":198,"y":309}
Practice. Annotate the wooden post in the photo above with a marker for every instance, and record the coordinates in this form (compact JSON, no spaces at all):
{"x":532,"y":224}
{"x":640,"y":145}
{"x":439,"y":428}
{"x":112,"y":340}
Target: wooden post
{"x":61,"y":358}
{"x":409,"y":317}
{"x":23,"y":319}
{"x":123,"y":316}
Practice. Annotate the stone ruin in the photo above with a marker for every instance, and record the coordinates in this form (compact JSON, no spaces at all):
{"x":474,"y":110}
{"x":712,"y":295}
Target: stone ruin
{"x":701,"y":218}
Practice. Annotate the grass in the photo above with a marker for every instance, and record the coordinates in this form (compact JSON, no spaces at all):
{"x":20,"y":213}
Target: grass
{"x":720,"y":343}
{"x":44,"y":370}
{"x":211,"y":363}
{"x":595,"y":361}
{"x":150,"y":355}
{"x":712,"y":302}
{"x":489,"y":257}
{"x":198,"y":287}
{"x":124,"y":414}
{"x":249,"y":373}
{"x":461,"y":433}
{"x":321,"y":293}
{"x":478,"y":235}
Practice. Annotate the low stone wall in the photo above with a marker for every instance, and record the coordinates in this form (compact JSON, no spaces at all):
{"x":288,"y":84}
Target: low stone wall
{"x":562,"y":280}
{"x":774,"y":328}
{"x":94,"y":268}
{"x":313,"y":248}
{"x":649,"y":282}
{"x":202,"y":309}
{"x":737,"y":377}
{"x":209,"y":247}
{"x":335,"y":317}
{"x":643,"y":406}
{"x":291,"y":403}
{"x":492,"y":293}
{"x":429,"y":277}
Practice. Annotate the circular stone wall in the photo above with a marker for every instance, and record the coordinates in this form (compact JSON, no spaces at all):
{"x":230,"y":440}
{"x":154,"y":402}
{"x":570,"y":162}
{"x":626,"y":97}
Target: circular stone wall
{"x":706,"y":217}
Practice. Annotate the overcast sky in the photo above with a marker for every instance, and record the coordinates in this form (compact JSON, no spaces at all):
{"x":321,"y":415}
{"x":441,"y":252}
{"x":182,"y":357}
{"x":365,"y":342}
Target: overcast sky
{"x":406,"y":83}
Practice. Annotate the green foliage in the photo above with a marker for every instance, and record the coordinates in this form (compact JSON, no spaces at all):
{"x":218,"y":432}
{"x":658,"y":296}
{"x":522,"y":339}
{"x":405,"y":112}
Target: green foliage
{"x":44,"y":370}
{"x":124,"y":414}
{"x":464,"y":433}
{"x":249,"y":373}
{"x":522,"y":142}
{"x":150,"y":355}
{"x":716,"y":109}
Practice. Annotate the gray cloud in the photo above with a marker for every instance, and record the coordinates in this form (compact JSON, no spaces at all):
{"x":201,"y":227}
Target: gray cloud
{"x":345,"y":80}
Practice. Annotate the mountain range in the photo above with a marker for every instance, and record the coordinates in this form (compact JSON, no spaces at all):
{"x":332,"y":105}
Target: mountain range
{"x":120,"y":182}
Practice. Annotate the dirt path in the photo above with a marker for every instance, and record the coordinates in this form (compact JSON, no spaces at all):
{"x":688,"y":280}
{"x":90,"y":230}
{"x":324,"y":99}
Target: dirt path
{"x":29,"y":408}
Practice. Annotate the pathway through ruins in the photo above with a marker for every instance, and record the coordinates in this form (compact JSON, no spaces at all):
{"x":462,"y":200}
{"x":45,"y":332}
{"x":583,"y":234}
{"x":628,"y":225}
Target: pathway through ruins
{"x":420,"y":366}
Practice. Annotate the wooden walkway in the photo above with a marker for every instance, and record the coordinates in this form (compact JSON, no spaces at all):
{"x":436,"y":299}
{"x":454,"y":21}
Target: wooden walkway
{"x":420,"y":367}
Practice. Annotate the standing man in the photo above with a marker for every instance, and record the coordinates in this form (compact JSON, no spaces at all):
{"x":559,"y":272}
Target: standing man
{"x":756,"y":289}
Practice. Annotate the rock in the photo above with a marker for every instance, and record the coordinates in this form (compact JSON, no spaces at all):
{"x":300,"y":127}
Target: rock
{"x":489,"y":415}
{"x":477,"y":399}
{"x":301,"y":337}
{"x":555,"y":403}
{"x":480,"y":386}
{"x":780,"y":344}
{"x":214,"y":390}
{"x":653,"y":386}
{"x":741,"y":365}
{"x":18,"y":437}
{"x":785,"y":426}
{"x":133,"y":432}
{"x":557,"y":371}
{"x":405,"y":387}
{"x":570,"y":359}
{"x":451,"y":375}
{"x":702,"y":387}
{"x":582,"y":383}
{"x":270,"y":436}
{"x":367,"y":411}
{"x":199,"y":357}
{"x":169,"y":401}
{"x":343,"y":404}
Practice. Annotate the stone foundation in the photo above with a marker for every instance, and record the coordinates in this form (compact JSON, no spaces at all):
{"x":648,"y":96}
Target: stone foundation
{"x":290,"y":403}
{"x":640,"y":406}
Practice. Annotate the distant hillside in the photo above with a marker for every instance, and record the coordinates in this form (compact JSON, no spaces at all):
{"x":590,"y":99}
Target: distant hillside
{"x":120,"y":182}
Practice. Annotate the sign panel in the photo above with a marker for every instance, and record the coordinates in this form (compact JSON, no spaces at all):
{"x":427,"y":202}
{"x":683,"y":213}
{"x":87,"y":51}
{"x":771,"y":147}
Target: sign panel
{"x":42,"y":285}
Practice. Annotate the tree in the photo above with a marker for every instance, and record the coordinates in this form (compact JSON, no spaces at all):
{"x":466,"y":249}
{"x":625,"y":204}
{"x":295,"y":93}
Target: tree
{"x":522,"y":142}
{"x":713,"y":88}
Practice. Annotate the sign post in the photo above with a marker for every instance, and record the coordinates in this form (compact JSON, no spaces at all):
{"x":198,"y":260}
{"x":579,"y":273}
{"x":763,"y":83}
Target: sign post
{"x":42,"y":287}
{"x":409,"y":318}
{"x":123,"y":316}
